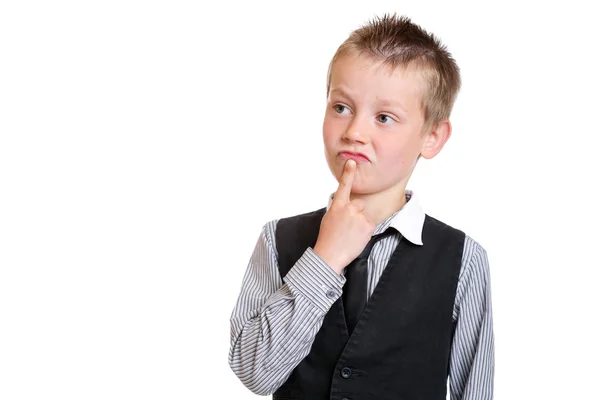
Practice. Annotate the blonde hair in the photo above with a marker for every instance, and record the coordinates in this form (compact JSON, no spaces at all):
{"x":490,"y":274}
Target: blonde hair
{"x":397,"y":42}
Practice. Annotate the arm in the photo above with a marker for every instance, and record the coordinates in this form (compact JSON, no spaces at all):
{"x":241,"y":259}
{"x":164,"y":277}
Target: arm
{"x":472,"y":355}
{"x":274,"y":323}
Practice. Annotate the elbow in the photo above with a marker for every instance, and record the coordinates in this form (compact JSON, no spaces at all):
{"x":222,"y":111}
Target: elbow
{"x":252,"y":379}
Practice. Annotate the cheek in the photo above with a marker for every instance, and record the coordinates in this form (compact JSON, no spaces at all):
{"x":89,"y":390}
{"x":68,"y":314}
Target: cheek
{"x":391,"y":153}
{"x":329,"y":133}
{"x":394,"y":159}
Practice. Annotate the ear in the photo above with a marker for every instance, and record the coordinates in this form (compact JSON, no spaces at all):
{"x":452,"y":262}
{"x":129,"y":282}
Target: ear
{"x":436,"y":139}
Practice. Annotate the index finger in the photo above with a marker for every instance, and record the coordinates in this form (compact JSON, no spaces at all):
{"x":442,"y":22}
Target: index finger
{"x":342,"y":195}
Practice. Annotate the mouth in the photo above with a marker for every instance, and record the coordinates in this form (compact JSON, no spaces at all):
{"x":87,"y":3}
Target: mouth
{"x":358,"y":157}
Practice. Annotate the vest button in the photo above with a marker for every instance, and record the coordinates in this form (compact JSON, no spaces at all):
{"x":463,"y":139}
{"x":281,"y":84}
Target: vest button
{"x":346,"y":372}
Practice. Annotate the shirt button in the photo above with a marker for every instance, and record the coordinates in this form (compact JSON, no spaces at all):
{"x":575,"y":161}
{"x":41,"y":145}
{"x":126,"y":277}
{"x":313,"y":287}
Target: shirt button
{"x":331,"y":294}
{"x":346,"y":372}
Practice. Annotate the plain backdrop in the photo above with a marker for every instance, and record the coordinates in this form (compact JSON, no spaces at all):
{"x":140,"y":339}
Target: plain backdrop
{"x":143,"y":145}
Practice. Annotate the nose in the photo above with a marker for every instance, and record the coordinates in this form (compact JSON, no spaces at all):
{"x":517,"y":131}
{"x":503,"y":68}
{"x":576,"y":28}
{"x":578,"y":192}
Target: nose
{"x":356,"y":132}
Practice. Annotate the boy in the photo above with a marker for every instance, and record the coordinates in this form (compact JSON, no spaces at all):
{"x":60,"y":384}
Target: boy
{"x":370,"y":298}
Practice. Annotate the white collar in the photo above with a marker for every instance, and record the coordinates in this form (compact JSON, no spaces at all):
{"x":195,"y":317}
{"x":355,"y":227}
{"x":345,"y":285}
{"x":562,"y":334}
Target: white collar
{"x":408,"y":220}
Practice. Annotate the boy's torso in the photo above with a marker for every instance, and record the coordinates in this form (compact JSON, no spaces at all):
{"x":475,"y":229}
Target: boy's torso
{"x":401,"y":344}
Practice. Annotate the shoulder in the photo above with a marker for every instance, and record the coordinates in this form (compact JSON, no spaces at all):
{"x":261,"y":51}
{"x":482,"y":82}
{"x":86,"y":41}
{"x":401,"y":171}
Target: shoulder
{"x":297,"y":224}
{"x":474,"y":277}
{"x":441,"y":232}
{"x":473,"y":249}
{"x":471,"y":246}
{"x":475,"y":260}
{"x":288,"y":225}
{"x":474,"y":257}
{"x":437,"y":224}
{"x":305,"y":216}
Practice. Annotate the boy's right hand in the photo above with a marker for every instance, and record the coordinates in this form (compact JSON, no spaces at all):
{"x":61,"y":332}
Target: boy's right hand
{"x":345,"y":228}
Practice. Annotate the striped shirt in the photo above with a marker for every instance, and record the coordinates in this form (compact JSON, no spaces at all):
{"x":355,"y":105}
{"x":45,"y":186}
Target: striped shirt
{"x":275,"y":321}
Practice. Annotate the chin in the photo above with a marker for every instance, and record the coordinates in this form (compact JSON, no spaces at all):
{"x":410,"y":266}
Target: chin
{"x":362,"y":190}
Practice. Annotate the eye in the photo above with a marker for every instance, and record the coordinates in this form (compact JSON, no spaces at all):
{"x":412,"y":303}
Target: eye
{"x":339,"y":108}
{"x":384,"y":119}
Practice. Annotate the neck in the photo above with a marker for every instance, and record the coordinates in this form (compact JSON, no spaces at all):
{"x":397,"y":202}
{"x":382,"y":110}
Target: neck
{"x":380,"y":206}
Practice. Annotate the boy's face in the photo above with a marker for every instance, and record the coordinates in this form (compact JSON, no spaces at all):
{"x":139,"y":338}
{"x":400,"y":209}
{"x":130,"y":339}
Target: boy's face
{"x":374,"y":111}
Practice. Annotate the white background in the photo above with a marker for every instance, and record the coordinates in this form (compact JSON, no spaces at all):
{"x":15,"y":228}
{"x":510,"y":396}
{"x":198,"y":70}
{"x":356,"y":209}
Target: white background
{"x":144,"y":144}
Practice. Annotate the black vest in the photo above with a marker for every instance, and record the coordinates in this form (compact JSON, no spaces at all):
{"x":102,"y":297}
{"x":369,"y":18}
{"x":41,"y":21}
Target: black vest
{"x":400,"y":347}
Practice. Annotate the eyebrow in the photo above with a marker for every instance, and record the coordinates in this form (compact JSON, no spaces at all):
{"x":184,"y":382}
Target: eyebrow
{"x":386,"y":102}
{"x":341,"y":92}
{"x":383,"y":102}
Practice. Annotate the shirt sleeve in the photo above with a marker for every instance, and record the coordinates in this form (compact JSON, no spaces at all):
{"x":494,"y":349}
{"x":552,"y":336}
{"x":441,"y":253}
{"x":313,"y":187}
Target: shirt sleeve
{"x":275,"y":321}
{"x":472,"y":354}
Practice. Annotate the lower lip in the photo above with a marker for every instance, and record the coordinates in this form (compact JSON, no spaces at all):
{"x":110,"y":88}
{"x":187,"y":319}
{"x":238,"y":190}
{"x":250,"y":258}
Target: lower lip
{"x":355,"y":157}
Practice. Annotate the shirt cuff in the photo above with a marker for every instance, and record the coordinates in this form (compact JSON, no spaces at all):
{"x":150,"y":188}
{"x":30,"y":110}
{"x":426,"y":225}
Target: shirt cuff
{"x":315,"y":280}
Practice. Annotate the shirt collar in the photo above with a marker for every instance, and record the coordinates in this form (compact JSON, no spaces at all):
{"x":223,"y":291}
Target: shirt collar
{"x":408,"y":220}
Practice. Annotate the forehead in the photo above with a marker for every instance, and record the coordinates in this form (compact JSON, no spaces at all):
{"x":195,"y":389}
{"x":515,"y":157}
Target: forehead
{"x":367,"y":78}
